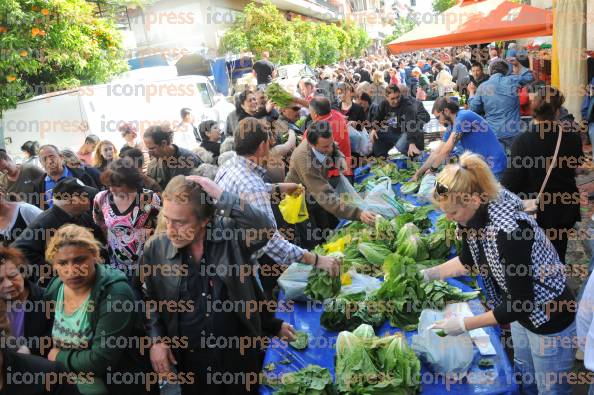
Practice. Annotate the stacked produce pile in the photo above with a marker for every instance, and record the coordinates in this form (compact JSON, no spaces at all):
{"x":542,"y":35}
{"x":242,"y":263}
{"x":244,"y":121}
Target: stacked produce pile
{"x":396,"y":250}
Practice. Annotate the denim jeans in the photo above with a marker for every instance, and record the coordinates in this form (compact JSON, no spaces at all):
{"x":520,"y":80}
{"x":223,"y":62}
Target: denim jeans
{"x":591,"y":134}
{"x":541,"y":361}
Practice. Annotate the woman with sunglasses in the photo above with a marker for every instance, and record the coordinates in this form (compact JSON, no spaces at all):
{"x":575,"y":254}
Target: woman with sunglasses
{"x":524,"y":280}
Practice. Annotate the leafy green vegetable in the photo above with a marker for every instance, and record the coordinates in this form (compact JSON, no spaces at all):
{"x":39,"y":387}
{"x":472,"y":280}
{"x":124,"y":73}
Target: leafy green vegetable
{"x":441,"y":333}
{"x":364,"y":331}
{"x":375,"y":253}
{"x":413,"y":247}
{"x":321,"y":285}
{"x":301,"y":341}
{"x":278,"y":95}
{"x":409,"y":294}
{"x":367,"y":364}
{"x":485,"y":363}
{"x":409,"y":187}
{"x":311,"y":380}
{"x":346,"y":312}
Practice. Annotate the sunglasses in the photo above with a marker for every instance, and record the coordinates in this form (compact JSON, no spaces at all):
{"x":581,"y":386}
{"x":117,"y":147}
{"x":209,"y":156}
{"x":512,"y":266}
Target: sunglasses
{"x":441,"y":190}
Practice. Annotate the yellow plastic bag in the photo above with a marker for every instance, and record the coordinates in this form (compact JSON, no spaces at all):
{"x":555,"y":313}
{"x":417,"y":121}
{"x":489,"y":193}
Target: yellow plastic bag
{"x":293,"y":208}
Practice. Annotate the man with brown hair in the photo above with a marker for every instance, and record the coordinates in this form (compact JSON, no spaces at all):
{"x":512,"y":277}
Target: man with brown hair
{"x":203,"y":260}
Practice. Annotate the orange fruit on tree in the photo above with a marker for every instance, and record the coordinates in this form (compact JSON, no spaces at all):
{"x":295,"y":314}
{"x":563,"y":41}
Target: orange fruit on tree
{"x":34,"y":8}
{"x":23,"y":53}
{"x":3,"y":29}
{"x":42,"y":32}
{"x":34,"y":31}
{"x":10,"y":78}
{"x":45,"y":11}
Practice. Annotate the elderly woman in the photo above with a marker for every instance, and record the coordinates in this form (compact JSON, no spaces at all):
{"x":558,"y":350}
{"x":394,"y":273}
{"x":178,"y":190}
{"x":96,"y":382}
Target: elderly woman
{"x":24,"y":300}
{"x":524,"y":280}
{"x":90,"y":318}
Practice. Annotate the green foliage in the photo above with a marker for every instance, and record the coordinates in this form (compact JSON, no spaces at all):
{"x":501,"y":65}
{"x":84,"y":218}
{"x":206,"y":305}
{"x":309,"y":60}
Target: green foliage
{"x":54,"y":45}
{"x":262,"y":27}
{"x":321,"y":285}
{"x":311,"y":380}
{"x":402,"y":26}
{"x":442,"y":5}
{"x":367,"y":364}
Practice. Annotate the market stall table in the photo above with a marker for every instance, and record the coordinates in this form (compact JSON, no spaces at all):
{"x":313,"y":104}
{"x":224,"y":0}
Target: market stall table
{"x":281,"y":358}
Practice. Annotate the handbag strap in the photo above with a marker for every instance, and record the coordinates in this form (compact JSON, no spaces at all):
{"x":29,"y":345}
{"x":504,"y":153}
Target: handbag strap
{"x":553,"y":164}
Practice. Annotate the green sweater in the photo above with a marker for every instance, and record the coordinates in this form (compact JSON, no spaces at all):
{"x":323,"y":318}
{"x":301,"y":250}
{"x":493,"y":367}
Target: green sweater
{"x":109,"y":322}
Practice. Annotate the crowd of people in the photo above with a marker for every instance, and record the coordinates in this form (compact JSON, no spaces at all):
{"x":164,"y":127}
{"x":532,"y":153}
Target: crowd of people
{"x":115,"y":263}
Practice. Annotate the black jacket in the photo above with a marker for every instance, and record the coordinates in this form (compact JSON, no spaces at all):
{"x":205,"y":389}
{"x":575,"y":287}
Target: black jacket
{"x":17,"y":367}
{"x":33,"y":239}
{"x":355,"y":113}
{"x":392,"y":122}
{"x":163,"y":261}
{"x":526,"y":172}
{"x":37,"y":325}
{"x":80,"y":173}
{"x":182,"y":162}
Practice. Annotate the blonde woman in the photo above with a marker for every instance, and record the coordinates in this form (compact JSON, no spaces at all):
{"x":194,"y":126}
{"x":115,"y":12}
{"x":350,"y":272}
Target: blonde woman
{"x":85,"y":153}
{"x":89,"y":316}
{"x":105,"y":153}
{"x":378,"y":87}
{"x":524,"y":279}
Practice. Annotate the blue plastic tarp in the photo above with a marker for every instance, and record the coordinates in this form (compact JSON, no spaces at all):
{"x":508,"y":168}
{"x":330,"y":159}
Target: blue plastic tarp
{"x":306,"y":317}
{"x":218,"y":68}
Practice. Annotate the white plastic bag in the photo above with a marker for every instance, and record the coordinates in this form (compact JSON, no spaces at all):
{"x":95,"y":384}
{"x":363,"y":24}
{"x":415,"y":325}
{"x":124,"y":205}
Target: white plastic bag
{"x":294,"y":280}
{"x":347,"y":192}
{"x":381,"y":198}
{"x":360,"y":283}
{"x":449,"y":355}
{"x":360,"y":142}
{"x":426,"y":187}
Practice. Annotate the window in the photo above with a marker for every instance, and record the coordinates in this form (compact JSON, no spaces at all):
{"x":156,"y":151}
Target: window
{"x":204,"y":94}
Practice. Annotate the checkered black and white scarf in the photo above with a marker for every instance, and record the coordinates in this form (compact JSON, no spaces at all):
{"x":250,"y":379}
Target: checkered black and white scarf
{"x":548,"y":272}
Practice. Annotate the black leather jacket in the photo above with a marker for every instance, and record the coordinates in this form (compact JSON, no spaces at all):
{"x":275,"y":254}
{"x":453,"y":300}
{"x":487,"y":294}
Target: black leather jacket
{"x":237,"y":231}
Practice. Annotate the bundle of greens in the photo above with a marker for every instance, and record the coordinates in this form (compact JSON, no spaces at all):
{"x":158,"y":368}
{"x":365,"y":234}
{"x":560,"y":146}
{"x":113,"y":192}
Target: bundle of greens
{"x":409,"y":294}
{"x":321,"y":285}
{"x":346,"y":312}
{"x":409,"y":243}
{"x":409,"y":187}
{"x":381,"y":168}
{"x":278,"y":95}
{"x":366,"y":364}
{"x":311,"y":380}
{"x":301,"y":340}
{"x":448,"y":228}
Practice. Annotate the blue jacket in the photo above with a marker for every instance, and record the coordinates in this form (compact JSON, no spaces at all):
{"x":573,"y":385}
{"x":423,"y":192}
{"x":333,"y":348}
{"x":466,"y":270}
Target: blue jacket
{"x":498,"y":99}
{"x":588,"y":102}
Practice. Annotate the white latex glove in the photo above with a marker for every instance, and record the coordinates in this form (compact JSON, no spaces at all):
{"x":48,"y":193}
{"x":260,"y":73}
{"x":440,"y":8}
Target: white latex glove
{"x":431,"y":273}
{"x":453,"y":326}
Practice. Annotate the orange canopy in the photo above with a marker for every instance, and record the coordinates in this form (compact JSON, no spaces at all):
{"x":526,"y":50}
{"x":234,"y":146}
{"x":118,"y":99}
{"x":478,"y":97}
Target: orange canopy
{"x":476,"y":22}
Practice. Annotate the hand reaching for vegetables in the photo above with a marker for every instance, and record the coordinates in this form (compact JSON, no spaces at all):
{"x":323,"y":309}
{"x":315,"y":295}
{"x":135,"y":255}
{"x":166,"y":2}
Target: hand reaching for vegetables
{"x":367,"y":217}
{"x":329,"y":264}
{"x":287,"y":332}
{"x":453,"y":326}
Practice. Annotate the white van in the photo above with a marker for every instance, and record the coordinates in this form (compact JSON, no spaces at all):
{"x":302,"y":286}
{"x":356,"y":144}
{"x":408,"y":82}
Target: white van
{"x":65,"y":118}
